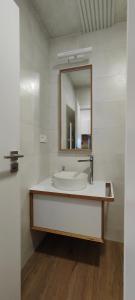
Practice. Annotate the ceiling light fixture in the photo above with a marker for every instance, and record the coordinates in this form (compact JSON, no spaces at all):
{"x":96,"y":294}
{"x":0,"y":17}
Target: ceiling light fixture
{"x":73,"y":54}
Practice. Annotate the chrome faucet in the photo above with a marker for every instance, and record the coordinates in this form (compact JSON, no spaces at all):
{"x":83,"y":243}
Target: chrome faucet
{"x":91,"y":159}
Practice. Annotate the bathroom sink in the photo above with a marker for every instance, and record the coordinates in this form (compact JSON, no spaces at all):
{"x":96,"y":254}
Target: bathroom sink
{"x":70,"y":181}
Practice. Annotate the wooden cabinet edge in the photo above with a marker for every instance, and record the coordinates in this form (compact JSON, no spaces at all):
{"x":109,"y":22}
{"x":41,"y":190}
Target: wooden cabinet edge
{"x":31,"y":209}
{"x":103,"y":221}
{"x":64,"y":233}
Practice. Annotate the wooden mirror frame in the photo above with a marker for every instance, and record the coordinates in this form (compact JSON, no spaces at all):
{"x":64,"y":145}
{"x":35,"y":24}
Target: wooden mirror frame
{"x":83,"y":151}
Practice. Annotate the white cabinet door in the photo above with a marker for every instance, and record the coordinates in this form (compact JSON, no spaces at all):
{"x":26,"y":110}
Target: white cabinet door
{"x":9,"y":140}
{"x":75,"y":216}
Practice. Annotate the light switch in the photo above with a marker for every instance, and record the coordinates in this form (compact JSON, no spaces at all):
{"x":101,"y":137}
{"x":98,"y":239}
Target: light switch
{"x":43,"y":138}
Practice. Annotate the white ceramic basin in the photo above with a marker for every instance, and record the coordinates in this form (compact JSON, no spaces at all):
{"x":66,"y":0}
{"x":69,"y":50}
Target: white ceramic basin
{"x":70,"y":181}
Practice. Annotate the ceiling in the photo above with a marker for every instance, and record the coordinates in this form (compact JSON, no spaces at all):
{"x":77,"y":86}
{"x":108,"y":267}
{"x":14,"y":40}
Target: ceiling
{"x":64,"y":17}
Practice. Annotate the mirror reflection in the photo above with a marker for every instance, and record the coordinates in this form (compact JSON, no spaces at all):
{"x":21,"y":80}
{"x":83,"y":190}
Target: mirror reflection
{"x":76,"y":108}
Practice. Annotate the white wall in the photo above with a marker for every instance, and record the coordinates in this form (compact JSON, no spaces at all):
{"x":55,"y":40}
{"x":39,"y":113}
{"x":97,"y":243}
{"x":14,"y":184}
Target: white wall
{"x":109,"y":94}
{"x":83,"y":96}
{"x":129,"y":272}
{"x":34,"y":87}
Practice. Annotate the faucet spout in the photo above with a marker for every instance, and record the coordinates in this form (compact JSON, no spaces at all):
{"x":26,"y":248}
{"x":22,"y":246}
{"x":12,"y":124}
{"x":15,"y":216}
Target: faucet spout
{"x":91,"y":160}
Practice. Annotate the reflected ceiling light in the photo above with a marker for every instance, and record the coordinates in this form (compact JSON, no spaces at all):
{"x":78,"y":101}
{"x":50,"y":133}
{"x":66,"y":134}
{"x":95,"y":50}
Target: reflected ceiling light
{"x":30,"y":85}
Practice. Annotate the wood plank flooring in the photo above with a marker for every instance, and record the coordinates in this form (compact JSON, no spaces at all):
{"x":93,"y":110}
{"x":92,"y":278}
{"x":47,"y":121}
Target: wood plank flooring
{"x":70,"y":269}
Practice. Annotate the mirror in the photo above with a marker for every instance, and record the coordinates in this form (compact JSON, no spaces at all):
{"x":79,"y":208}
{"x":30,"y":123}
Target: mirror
{"x":76,"y":109}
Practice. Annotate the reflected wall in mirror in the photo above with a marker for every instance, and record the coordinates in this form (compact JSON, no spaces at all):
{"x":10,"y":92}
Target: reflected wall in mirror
{"x":76,"y":109}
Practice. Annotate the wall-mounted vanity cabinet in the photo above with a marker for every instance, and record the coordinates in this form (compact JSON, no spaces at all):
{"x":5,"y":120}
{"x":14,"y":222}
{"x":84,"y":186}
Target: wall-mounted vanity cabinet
{"x":79,"y":214}
{"x":75,"y":110}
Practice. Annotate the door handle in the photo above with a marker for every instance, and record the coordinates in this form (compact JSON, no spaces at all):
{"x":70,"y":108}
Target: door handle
{"x":13,"y":156}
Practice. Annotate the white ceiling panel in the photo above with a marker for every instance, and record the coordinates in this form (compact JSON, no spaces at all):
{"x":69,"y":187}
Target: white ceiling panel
{"x":64,"y":17}
{"x":60,"y":17}
{"x":99,"y":14}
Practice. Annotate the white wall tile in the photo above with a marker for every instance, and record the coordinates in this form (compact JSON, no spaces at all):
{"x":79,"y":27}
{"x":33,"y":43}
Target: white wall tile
{"x":109,"y":95}
{"x":34,"y":88}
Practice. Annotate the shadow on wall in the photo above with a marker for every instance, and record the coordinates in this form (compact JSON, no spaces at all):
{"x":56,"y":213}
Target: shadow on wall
{"x":5,"y":174}
{"x":37,"y":237}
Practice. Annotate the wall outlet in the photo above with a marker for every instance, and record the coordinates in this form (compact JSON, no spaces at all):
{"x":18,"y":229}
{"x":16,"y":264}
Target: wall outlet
{"x":43,"y":138}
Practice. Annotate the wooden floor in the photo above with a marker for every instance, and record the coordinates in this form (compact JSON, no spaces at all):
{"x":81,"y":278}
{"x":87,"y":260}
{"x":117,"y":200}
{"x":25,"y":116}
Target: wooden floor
{"x":69,"y":269}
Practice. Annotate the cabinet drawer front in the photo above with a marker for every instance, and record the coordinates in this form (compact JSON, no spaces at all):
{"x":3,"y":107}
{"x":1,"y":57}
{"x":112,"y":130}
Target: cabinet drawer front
{"x":69,"y":215}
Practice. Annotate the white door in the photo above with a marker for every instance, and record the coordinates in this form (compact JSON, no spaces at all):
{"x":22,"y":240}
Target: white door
{"x":129,"y":217}
{"x":9,"y":140}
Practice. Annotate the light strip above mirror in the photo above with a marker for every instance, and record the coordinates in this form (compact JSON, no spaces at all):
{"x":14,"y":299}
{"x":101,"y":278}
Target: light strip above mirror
{"x":76,"y":53}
